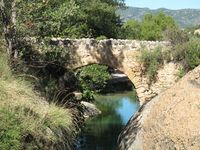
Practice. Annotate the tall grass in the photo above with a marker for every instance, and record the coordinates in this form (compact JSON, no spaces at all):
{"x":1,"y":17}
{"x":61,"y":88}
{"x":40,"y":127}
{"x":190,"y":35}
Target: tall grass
{"x":27,"y":121}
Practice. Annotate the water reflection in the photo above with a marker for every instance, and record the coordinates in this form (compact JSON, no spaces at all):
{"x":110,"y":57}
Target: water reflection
{"x":102,"y":131}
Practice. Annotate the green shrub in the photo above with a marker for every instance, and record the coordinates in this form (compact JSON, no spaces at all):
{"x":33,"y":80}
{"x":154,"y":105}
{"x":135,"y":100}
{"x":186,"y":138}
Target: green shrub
{"x":131,"y":29}
{"x":151,"y":27}
{"x":185,"y":51}
{"x":88,"y":95}
{"x":178,"y":51}
{"x":102,"y":37}
{"x":92,"y":78}
{"x":10,"y":131}
{"x":176,"y":36}
{"x":188,"y":53}
{"x":192,"y":54}
{"x":181,"y":73}
{"x":151,"y":60}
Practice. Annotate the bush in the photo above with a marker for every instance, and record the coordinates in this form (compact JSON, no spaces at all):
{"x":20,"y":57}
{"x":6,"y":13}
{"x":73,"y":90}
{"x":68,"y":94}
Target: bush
{"x":151,"y":27}
{"x":151,"y":61}
{"x":131,"y":30}
{"x":181,"y":73}
{"x":10,"y":131}
{"x":92,"y":78}
{"x":192,"y":54}
{"x":176,"y":36}
{"x":102,"y":37}
{"x":188,"y":53}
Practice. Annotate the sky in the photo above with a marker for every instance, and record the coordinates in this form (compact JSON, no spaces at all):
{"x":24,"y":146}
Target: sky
{"x":170,"y":4}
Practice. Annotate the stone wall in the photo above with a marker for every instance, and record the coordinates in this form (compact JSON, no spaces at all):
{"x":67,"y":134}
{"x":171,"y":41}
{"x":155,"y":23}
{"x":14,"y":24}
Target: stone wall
{"x":122,"y":55}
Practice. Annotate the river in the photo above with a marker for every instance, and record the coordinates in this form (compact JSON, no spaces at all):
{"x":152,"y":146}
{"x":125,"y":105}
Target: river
{"x":101,"y":132}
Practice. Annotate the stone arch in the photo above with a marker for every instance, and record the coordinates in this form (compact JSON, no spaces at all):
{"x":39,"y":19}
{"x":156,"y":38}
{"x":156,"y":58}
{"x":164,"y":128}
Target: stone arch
{"x":122,"y":55}
{"x":134,"y":73}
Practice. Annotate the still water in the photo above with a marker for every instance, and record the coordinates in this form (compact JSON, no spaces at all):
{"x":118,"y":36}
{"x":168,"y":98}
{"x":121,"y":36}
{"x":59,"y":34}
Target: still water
{"x":101,"y":132}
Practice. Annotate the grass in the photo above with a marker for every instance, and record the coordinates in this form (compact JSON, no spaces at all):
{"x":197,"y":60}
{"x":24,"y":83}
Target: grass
{"x":27,"y":120}
{"x":10,"y":130}
{"x":182,"y":72}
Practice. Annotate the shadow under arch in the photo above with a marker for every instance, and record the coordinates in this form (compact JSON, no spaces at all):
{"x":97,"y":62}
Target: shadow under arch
{"x":116,"y":73}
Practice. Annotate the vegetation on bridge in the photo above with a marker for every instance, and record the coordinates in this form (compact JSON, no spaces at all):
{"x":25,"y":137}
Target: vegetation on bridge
{"x":185,"y":50}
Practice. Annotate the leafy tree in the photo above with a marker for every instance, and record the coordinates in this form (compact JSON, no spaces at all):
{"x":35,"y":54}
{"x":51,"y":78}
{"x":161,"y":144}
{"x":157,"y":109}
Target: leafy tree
{"x":72,"y":18}
{"x":92,"y":78}
{"x":150,"y":30}
{"x":100,"y":17}
{"x":131,"y":29}
{"x":45,"y":18}
{"x":151,"y":27}
{"x":164,"y":21}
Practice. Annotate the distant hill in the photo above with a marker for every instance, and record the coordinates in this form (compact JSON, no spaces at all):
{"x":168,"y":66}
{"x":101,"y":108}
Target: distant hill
{"x":184,"y":17}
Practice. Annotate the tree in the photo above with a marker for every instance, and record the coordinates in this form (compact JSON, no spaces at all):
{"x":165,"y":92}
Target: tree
{"x":92,"y":79}
{"x":101,"y":18}
{"x":131,"y":29}
{"x":45,"y":18}
{"x":69,"y":18}
{"x":8,"y":18}
{"x":152,"y":27}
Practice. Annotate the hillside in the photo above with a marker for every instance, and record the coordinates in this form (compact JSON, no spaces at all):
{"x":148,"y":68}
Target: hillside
{"x":184,"y":17}
{"x":27,"y":120}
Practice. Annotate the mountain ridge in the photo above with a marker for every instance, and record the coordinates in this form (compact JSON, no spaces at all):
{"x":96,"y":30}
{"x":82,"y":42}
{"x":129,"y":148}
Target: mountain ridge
{"x":184,"y":17}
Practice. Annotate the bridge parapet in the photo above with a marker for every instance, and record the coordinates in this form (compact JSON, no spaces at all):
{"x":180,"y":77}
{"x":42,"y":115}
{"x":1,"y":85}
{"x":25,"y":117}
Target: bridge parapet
{"x":119,"y":44}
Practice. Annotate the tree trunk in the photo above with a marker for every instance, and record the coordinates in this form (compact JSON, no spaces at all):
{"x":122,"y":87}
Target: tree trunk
{"x":9,"y":27}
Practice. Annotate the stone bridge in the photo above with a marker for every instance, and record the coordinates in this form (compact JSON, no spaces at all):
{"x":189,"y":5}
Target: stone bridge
{"x":121,"y":55}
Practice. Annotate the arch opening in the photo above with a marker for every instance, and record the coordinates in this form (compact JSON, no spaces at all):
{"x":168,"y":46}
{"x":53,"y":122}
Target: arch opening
{"x":117,"y":104}
{"x":119,"y":81}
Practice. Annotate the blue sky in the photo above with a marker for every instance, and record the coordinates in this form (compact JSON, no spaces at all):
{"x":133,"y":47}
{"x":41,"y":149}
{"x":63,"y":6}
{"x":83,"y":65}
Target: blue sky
{"x":170,"y":4}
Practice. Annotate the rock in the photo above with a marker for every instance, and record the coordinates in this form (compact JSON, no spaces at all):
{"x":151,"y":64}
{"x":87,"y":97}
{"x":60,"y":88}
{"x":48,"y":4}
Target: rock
{"x":78,"y":95}
{"x":169,"y":121}
{"x":197,"y":32}
{"x":90,"y":110}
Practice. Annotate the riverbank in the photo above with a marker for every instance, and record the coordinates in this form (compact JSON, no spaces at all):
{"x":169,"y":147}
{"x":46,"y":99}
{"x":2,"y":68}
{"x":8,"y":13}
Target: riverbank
{"x":27,"y":120}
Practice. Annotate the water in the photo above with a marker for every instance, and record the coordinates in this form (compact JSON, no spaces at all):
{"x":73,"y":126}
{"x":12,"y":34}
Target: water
{"x":101,"y":132}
